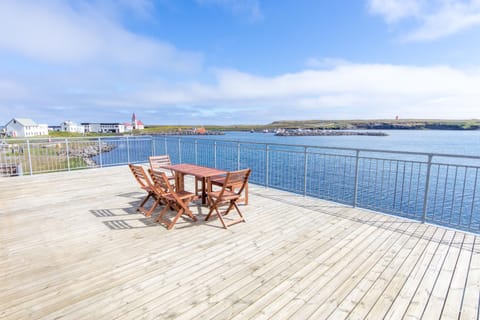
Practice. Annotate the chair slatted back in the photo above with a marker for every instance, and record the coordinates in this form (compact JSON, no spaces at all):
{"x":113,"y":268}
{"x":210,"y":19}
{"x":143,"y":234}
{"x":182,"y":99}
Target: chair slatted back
{"x":141,"y":176}
{"x":156,"y":162}
{"x":145,"y":183}
{"x":161,"y":182}
{"x":236,"y":178}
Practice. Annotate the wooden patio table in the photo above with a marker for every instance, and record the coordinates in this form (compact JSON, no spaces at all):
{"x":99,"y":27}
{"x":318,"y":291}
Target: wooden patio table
{"x":202,"y":173}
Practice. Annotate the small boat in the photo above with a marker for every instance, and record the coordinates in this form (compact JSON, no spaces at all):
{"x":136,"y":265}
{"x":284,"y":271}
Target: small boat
{"x":252,"y":131}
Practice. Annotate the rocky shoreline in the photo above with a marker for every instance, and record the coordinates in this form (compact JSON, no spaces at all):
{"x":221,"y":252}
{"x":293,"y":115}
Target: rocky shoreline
{"x":88,"y":152}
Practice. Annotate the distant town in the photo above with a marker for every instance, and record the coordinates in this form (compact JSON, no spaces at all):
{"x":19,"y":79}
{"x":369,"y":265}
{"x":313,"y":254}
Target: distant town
{"x":23,"y":127}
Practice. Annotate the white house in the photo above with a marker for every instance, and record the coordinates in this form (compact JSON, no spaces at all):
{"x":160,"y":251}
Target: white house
{"x":69,"y":126}
{"x":104,"y":127}
{"x":21,"y":127}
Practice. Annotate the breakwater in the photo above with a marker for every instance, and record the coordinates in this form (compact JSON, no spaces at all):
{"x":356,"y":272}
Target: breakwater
{"x":297,"y":133}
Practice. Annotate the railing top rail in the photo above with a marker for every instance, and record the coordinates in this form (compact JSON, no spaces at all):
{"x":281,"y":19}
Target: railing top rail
{"x":411,"y":153}
{"x":75,"y":138}
{"x":426,"y":154}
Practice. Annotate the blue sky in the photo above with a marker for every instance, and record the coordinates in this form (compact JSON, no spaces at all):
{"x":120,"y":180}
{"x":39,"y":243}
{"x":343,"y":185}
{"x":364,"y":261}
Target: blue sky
{"x":238,"y":61}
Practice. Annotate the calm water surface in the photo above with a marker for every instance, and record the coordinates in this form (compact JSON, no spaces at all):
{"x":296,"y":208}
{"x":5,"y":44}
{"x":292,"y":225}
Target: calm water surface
{"x":431,"y":141}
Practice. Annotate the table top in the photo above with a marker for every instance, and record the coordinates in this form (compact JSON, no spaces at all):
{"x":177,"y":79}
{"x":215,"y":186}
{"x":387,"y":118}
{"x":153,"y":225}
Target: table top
{"x":193,"y":169}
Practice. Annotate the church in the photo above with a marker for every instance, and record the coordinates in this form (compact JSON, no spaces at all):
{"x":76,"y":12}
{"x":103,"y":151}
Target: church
{"x":136,"y":124}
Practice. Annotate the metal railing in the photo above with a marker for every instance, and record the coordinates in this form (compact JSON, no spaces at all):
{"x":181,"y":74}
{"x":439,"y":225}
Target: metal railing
{"x":436,"y":188}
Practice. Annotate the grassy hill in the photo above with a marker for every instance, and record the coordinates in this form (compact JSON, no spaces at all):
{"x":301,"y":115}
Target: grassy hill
{"x":385,"y":124}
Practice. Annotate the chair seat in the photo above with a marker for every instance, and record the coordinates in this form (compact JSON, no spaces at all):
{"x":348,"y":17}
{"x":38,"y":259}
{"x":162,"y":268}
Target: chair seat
{"x":181,"y":195}
{"x":227,"y":195}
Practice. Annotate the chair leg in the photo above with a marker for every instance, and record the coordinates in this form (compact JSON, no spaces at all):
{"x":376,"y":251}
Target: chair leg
{"x":221,"y":220}
{"x":230,"y":206}
{"x":160,"y":216}
{"x":238,"y":210}
{"x":215,"y":207}
{"x":233,"y":204}
{"x":174,"y":220}
{"x":154,"y":206}
{"x":145,"y":200}
{"x":187,"y":209}
{"x":212,"y":207}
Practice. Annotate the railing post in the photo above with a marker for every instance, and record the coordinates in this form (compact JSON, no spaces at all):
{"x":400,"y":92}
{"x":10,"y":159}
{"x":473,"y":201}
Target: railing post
{"x":179,"y":151}
{"x":266,"y":165}
{"x":305,"y":172}
{"x":100,"y":152}
{"x":165,"y":139}
{"x":215,"y":154}
{"x":355,"y":185}
{"x":427,"y":186}
{"x":128,"y":150}
{"x":29,"y":157}
{"x":238,"y":155}
{"x":68,"y":155}
{"x":196,"y":151}
{"x":153,"y":146}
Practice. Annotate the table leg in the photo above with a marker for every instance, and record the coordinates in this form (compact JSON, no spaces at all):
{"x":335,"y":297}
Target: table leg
{"x":204,"y":191}
{"x":179,"y":181}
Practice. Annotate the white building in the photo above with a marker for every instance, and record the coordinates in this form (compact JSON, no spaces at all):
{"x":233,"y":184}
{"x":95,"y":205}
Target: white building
{"x":128,"y":127}
{"x":104,"y":127}
{"x":21,"y":127}
{"x":69,"y":126}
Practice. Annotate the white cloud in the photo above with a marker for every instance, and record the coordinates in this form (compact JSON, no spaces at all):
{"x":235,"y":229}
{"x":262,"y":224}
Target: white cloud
{"x":434,"y":19}
{"x":325,"y":62}
{"x":394,"y":10}
{"x":353,"y":90}
{"x":452,"y":18}
{"x":62,"y":34}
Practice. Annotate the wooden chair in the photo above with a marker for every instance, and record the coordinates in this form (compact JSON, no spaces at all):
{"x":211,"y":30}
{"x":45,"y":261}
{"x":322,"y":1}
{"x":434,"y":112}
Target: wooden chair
{"x":228,"y":196}
{"x":220,"y":182}
{"x":144,"y":182}
{"x":156,"y":163}
{"x":177,"y":201}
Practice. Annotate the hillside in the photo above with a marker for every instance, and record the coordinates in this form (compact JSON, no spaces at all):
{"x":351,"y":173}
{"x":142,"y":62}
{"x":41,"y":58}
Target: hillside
{"x":417,"y":124}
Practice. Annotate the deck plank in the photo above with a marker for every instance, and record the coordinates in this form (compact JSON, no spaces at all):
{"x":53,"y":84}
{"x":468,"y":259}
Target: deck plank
{"x":73,"y":246}
{"x":452,"y":305}
{"x":471,"y":294}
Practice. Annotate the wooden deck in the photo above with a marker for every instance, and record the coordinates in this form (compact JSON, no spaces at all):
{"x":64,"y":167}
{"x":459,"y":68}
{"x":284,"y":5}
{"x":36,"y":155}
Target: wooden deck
{"x":73,"y":247}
